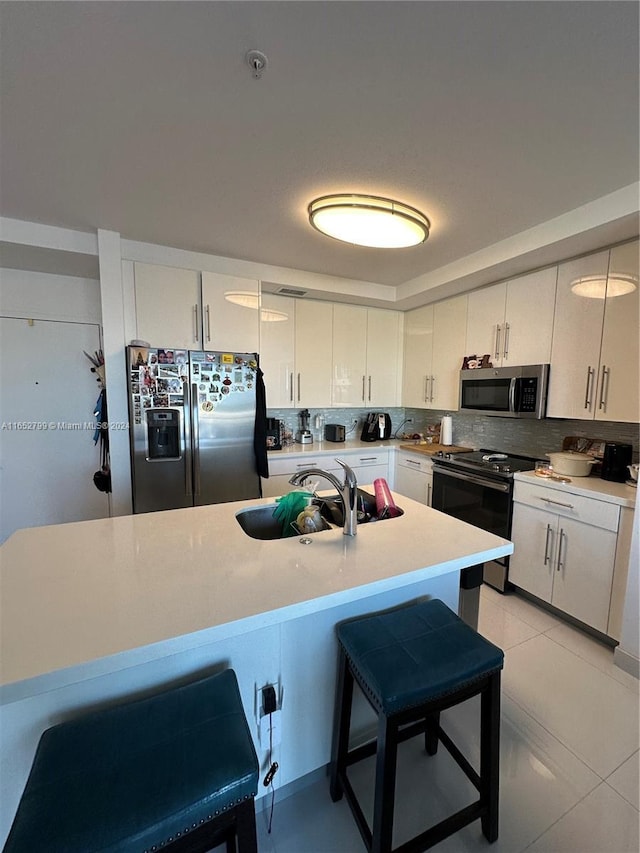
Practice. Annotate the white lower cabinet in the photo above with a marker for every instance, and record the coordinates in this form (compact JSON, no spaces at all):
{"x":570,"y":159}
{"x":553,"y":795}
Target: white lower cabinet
{"x":414,"y":477}
{"x":366,"y":466}
{"x":565,"y":551}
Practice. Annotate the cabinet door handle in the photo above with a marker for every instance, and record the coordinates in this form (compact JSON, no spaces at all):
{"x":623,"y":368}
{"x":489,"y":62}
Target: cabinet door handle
{"x":433,"y":382}
{"x":587,"y":393}
{"x":411,"y":462}
{"x":369,"y":389}
{"x":196,"y":336}
{"x":428,"y":494}
{"x":547,"y":558}
{"x":298,"y":387}
{"x":208,"y":323}
{"x":604,"y":388}
{"x":506,"y":340}
{"x":498,"y":330}
{"x":560,"y":564}
{"x":364,"y":379}
{"x":368,"y":459}
{"x":291,"y":387}
{"x":556,"y":503}
{"x":426,"y":389}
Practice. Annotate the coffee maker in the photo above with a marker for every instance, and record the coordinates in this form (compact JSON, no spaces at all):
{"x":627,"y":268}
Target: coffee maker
{"x":615,"y":459}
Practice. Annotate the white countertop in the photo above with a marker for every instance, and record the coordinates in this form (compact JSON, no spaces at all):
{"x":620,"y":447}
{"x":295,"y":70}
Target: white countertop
{"x":590,"y":487}
{"x":352,"y":445}
{"x":87,"y":592}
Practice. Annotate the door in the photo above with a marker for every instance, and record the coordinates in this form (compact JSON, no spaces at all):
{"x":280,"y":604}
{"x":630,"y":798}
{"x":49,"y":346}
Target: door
{"x":314,"y":335}
{"x":223,"y":410}
{"x":583,"y":572}
{"x":528,"y":328}
{"x":277,"y":348}
{"x":348,"y":386}
{"x":158,"y":392}
{"x":618,"y":378}
{"x":384,"y":358}
{"x":485,"y":314}
{"x":577,"y":332}
{"x":534,"y":534}
{"x":449,"y":318}
{"x":168,"y":306}
{"x":230,"y":315}
{"x":418,"y":352}
{"x":47,"y":400}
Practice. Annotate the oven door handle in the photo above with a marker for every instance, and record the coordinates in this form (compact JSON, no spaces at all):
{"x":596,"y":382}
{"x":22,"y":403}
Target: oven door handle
{"x":479,"y":481}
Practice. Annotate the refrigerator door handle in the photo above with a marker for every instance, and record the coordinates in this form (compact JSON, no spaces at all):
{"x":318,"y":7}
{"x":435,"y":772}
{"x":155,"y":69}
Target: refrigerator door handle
{"x":195,"y":441}
{"x":186,"y":437}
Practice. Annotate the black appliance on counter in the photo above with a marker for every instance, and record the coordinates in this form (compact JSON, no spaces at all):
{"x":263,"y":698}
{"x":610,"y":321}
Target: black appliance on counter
{"x":334,"y":432}
{"x":377,"y":427}
{"x":478,"y":488}
{"x":615,"y":459}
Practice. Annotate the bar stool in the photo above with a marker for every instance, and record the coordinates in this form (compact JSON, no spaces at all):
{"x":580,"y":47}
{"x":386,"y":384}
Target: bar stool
{"x":412,"y":663}
{"x":174,"y":772}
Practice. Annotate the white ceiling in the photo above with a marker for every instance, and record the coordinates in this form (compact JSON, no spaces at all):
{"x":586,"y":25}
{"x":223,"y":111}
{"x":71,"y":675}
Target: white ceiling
{"x":492,"y":118}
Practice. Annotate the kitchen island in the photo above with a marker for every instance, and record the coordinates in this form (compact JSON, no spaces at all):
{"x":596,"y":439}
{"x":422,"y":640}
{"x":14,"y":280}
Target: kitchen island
{"x":100,"y":611}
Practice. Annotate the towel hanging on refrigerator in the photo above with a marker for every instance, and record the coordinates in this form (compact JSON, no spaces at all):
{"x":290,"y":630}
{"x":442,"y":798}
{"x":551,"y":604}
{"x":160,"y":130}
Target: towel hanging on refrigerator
{"x":260,"y":428}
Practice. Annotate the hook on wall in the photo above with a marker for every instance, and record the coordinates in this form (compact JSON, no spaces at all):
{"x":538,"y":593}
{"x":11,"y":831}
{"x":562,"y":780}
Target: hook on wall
{"x":257,"y":62}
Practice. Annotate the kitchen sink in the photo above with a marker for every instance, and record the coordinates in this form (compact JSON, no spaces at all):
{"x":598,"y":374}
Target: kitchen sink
{"x":258,"y":522}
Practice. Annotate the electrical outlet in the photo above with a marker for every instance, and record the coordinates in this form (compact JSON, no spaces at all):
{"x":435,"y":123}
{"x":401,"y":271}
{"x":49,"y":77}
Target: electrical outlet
{"x":409,"y":421}
{"x":271,"y":729}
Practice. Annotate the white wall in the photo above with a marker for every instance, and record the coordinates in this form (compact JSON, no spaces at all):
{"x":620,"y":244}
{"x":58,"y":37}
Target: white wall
{"x":41,"y":296}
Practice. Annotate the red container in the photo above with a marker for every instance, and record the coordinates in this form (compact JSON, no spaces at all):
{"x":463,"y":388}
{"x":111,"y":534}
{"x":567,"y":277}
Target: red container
{"x":385,"y":505}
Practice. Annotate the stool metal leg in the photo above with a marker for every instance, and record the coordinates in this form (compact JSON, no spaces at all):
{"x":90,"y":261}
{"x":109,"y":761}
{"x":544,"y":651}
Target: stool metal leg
{"x":246,"y":827}
{"x":341,"y":724}
{"x":490,"y":756}
{"x":432,"y":723}
{"x":385,"y":788}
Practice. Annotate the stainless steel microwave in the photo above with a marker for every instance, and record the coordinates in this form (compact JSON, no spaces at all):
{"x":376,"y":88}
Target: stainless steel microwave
{"x":505,"y":392}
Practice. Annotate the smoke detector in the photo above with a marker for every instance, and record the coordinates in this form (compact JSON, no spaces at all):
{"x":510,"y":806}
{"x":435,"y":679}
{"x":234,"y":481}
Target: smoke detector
{"x":257,"y":62}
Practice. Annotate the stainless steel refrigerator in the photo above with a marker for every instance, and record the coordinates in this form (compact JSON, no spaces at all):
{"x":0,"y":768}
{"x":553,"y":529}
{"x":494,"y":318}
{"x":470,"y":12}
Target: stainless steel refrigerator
{"x":192,"y":418}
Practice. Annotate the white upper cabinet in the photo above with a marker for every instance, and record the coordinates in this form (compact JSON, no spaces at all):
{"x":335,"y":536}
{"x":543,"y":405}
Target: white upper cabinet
{"x":277,"y":348}
{"x":189,"y":310}
{"x":434,"y":347}
{"x":618,"y":377}
{"x":418,"y":353}
{"x":449,"y":319}
{"x":366,"y":356}
{"x":228,"y":325}
{"x":313,"y":358}
{"x":594,"y":357}
{"x":485,"y":315}
{"x":348,"y":382}
{"x":513,"y":321}
{"x":168,"y":306}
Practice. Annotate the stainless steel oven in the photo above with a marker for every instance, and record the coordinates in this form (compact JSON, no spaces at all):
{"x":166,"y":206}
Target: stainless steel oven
{"x":478,"y":488}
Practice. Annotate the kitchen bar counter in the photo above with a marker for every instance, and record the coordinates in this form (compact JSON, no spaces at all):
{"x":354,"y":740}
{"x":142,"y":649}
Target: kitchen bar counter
{"x":100,"y":611}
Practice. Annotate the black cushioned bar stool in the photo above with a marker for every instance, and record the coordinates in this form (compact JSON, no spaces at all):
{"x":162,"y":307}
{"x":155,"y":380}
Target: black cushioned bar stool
{"x":174,"y":772}
{"x":412,"y":663}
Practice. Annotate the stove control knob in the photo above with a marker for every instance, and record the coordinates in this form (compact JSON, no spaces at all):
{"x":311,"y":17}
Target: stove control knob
{"x":495,"y":467}
{"x":448,"y":455}
{"x":506,"y":469}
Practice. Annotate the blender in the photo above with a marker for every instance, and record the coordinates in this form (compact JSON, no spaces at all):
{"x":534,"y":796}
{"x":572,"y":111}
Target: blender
{"x":304,"y":434}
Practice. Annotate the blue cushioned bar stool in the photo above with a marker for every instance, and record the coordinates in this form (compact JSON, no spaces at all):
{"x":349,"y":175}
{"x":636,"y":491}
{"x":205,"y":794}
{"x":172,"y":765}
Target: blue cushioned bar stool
{"x":412,"y":663}
{"x":174,"y":772}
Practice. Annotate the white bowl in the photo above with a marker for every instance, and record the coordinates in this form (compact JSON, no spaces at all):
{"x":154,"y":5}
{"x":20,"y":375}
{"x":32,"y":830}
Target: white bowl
{"x":571,"y":463}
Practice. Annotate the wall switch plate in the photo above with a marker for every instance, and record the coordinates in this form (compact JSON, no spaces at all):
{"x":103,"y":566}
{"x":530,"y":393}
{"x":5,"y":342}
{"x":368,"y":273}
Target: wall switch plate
{"x":271,"y":729}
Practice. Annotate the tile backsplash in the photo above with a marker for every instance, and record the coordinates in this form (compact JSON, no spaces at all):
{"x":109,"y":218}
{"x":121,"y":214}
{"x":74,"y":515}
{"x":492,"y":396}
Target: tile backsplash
{"x":527,"y":437}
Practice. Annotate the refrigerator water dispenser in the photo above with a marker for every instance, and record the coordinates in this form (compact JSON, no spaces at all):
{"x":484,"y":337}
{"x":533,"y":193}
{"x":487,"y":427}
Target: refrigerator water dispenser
{"x":163,"y":434}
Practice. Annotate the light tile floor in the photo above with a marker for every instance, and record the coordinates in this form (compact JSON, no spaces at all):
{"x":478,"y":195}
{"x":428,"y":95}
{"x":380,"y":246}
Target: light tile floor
{"x":569,"y":755}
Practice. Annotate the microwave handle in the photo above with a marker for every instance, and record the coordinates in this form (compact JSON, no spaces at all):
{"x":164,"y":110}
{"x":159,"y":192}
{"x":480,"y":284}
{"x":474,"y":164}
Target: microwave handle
{"x":512,"y":394}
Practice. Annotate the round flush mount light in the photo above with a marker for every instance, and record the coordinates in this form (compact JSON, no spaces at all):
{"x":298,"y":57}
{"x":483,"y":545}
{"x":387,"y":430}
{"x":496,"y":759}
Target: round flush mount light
{"x":599,"y":287}
{"x":369,"y":220}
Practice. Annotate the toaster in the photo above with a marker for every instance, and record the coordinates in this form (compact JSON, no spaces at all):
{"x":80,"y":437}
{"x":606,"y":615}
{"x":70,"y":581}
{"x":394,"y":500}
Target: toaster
{"x":334,"y":432}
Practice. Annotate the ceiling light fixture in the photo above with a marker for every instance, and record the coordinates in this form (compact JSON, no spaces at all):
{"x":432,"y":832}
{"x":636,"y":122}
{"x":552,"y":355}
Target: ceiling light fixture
{"x":369,"y":220}
{"x":249,"y":299}
{"x":599,"y":287}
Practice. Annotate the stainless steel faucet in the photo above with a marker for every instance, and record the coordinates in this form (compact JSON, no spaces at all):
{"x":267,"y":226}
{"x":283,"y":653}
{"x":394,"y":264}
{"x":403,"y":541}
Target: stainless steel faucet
{"x":348,"y":492}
